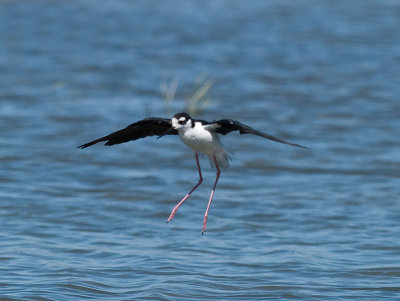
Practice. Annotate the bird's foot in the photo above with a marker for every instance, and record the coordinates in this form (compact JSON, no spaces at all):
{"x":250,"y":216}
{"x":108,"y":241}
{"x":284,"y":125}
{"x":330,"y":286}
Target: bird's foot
{"x":204,"y":225}
{"x":171,"y":216}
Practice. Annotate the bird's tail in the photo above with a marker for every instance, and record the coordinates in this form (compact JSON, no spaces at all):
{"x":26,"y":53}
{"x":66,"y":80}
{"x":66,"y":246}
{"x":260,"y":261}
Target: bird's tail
{"x":222,"y":158}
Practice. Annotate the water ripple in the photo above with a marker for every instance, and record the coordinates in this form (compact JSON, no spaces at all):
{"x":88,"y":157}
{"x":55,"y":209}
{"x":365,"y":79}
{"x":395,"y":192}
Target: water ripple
{"x":284,"y":223}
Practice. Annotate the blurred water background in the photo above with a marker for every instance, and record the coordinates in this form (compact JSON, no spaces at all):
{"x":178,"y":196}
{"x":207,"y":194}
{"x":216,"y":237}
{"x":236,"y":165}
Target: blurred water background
{"x":285,"y":223}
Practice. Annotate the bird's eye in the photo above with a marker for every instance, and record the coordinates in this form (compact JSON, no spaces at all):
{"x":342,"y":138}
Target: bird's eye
{"x":182,"y":121}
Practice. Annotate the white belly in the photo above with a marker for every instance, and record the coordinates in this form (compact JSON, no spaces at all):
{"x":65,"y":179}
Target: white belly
{"x":201,"y":141}
{"x":208,"y":143}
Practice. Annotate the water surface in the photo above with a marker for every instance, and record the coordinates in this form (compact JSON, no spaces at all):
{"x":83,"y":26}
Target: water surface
{"x":285,"y":223}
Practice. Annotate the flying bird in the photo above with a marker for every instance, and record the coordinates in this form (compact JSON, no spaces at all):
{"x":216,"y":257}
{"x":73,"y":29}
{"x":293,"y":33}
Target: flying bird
{"x":201,"y":136}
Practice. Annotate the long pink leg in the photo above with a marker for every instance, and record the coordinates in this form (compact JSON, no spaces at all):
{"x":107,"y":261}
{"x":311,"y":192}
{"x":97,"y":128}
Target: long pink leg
{"x":211,"y":197}
{"x":186,"y":196}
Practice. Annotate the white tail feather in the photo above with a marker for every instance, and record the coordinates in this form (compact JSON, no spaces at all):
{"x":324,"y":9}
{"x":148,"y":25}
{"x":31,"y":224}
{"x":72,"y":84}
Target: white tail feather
{"x":222,"y":160}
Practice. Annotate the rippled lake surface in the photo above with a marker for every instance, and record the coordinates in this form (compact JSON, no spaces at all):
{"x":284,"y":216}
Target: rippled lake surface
{"x":285,"y":223}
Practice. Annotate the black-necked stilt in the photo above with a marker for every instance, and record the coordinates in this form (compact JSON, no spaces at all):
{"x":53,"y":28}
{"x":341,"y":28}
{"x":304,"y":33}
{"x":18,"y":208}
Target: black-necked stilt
{"x":199,"y":135}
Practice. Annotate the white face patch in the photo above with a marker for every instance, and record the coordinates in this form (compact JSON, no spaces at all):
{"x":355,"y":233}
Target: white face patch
{"x":174,"y":122}
{"x":181,"y":122}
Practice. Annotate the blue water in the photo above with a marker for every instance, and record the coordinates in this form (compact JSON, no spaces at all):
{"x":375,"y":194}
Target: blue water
{"x":285,"y":223}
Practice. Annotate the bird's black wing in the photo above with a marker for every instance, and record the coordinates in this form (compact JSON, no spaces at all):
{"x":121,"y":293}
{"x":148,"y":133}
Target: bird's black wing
{"x":226,"y":126}
{"x":141,"y":129}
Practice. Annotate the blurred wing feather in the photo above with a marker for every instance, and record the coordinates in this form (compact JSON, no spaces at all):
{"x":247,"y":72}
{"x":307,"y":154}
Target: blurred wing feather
{"x":143,"y":128}
{"x":228,"y":125}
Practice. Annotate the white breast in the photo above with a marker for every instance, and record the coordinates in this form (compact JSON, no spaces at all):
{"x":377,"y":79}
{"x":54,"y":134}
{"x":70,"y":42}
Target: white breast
{"x":199,"y":139}
{"x":206,"y":142}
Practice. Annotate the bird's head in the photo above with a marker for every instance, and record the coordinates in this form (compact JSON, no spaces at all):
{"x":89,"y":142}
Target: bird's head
{"x":182,"y":121}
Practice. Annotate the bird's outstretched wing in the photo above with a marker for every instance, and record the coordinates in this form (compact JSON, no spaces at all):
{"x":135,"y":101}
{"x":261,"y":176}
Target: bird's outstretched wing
{"x":141,"y":129}
{"x":226,"y":126}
